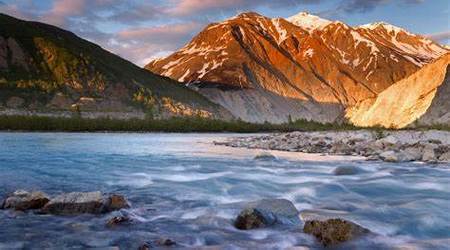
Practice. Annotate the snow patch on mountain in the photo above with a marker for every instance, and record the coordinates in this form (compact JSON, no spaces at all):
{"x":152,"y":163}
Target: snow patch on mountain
{"x":283,"y":34}
{"x":308,"y":22}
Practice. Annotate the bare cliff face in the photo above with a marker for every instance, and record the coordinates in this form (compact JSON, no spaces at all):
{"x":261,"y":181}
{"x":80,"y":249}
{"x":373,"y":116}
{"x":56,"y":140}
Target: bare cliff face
{"x":423,"y":98}
{"x":264,"y":69}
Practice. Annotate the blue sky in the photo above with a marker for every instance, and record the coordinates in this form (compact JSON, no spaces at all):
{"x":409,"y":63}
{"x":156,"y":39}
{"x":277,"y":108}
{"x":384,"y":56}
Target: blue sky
{"x":139,"y":30}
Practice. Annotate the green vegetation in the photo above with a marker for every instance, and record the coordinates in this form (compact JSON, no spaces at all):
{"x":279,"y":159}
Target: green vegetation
{"x":77,"y":124}
{"x":56,"y":60}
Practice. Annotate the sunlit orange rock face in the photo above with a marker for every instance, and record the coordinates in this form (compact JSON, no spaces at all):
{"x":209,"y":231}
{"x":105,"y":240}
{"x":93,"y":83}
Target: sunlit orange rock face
{"x":303,"y":67}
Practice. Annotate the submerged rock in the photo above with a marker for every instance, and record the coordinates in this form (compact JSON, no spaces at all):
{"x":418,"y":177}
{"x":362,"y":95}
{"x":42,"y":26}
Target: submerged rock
{"x":118,"y":220}
{"x":265,"y":156}
{"x":24,"y":200}
{"x":346,"y":170}
{"x":334,"y":231}
{"x":265,"y":213}
{"x":163,"y":242}
{"x":80,"y":203}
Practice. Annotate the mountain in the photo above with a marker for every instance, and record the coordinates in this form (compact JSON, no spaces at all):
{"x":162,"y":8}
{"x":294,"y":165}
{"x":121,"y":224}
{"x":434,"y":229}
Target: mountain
{"x":49,"y":71}
{"x":423,"y":98}
{"x":273,"y":69}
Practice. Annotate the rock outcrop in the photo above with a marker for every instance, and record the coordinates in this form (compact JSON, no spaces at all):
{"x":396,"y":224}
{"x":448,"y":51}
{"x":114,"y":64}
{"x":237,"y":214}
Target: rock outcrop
{"x":420,"y":99}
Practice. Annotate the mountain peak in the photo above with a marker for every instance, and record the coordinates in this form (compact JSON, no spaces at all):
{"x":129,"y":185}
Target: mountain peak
{"x":388,"y":27}
{"x":308,"y":21}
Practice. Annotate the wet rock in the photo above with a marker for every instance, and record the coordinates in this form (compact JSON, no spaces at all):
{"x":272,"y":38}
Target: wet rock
{"x":118,"y":220}
{"x":346,"y":170}
{"x":23,"y":200}
{"x":80,"y":203}
{"x":334,"y":231}
{"x":265,"y":156}
{"x":116,"y":202}
{"x":267,"y":212}
{"x":163,"y":242}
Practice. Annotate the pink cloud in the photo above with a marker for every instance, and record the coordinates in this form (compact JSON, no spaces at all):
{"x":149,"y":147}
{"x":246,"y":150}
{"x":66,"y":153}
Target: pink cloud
{"x":62,"y":9}
{"x":187,"y":7}
{"x":164,"y":33}
{"x":441,"y":36}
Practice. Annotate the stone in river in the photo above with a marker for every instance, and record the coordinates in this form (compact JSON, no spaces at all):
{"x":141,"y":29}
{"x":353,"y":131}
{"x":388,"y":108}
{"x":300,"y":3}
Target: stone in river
{"x":163,"y":242}
{"x":80,"y":203}
{"x":24,"y":200}
{"x":265,"y":156}
{"x":346,"y":170}
{"x":334,"y":231}
{"x":267,"y":212}
{"x":118,"y":220}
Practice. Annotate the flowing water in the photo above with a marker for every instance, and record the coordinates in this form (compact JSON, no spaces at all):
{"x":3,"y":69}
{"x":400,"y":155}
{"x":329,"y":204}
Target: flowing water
{"x":183,"y":187}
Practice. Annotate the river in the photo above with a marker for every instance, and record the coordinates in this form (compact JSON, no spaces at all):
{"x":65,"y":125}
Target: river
{"x":183,"y":187}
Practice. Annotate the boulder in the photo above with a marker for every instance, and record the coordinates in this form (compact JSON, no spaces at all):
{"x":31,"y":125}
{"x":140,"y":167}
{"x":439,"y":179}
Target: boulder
{"x":23,"y":200}
{"x":340,"y":147}
{"x":346,"y":170}
{"x":414,"y":153}
{"x":389,"y":156}
{"x":393,"y":156}
{"x":80,"y":203}
{"x":267,"y":212}
{"x":334,"y":231}
{"x":265,"y":156}
{"x":445,"y":157}
{"x":429,"y":154}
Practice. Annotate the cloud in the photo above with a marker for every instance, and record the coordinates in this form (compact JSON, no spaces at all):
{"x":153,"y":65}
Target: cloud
{"x":134,"y":29}
{"x":63,"y":9}
{"x":440,"y":37}
{"x":361,"y":6}
{"x":191,"y":7}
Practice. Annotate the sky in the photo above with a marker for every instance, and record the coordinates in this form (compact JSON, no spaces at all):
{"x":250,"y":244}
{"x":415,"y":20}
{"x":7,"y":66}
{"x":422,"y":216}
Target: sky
{"x":140,"y":30}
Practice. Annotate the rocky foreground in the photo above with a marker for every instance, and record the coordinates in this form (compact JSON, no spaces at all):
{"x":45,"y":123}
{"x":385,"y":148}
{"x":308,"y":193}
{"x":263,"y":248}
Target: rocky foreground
{"x":254,"y":215}
{"x":391,"y":146}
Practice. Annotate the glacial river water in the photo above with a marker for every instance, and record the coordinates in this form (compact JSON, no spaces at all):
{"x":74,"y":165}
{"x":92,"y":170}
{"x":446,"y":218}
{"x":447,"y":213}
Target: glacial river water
{"x":183,"y":187}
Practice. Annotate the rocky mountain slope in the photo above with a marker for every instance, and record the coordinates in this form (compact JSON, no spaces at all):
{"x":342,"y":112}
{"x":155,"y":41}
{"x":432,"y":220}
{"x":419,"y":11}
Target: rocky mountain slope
{"x":49,"y":71}
{"x":264,"y":69}
{"x":423,"y":98}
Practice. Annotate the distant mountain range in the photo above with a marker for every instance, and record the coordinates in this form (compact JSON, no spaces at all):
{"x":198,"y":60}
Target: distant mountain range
{"x":45,"y":70}
{"x":249,"y":67}
{"x":303,"y":67}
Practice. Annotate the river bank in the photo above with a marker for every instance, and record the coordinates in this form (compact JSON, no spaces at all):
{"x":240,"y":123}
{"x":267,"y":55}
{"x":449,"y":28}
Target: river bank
{"x":390,"y":146}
